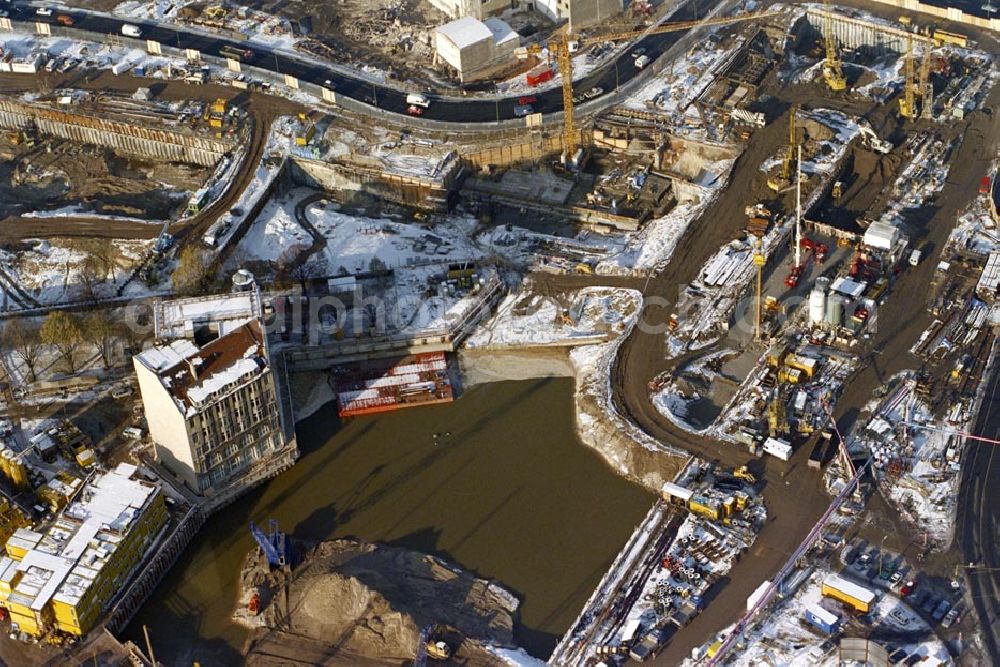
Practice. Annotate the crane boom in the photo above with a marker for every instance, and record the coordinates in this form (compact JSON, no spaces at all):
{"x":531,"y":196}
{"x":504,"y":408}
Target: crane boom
{"x":570,"y":138}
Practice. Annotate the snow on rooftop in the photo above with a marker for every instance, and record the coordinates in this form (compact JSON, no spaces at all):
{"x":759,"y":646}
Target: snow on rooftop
{"x":112,"y":500}
{"x":466,"y":31}
{"x":849,"y":587}
{"x":200,"y":309}
{"x":240,"y":368}
{"x":162,"y":357}
{"x":502,"y":32}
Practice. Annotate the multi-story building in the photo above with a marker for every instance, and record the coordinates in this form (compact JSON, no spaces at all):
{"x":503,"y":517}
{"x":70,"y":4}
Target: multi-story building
{"x":213,"y":411}
{"x":580,"y":13}
{"x":64,"y":577}
{"x":476,"y":48}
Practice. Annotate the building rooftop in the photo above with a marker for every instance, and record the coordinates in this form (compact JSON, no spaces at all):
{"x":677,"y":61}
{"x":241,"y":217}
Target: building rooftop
{"x":62,"y":562}
{"x":192,"y":375}
{"x":502,"y":32}
{"x":178,"y":318}
{"x":466,"y":31}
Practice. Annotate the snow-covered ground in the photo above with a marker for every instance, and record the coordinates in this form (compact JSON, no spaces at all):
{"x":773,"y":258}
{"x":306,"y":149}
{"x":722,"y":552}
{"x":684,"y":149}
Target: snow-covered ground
{"x":58,"y":271}
{"x":593,"y":313}
{"x":255,"y":25}
{"x":652,"y":247}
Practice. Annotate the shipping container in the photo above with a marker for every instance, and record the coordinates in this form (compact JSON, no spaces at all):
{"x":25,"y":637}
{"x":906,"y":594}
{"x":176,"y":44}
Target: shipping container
{"x":822,"y":619}
{"x":778,"y":448}
{"x":944,"y":37}
{"x":852,"y":594}
{"x":675,"y":494}
{"x":539,"y":76}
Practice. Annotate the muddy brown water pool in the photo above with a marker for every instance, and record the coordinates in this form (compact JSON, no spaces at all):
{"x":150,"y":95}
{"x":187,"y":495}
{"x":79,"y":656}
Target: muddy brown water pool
{"x":506,"y":490}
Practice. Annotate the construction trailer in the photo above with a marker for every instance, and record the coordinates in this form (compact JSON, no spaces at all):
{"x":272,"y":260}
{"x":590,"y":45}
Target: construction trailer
{"x":854,"y":595}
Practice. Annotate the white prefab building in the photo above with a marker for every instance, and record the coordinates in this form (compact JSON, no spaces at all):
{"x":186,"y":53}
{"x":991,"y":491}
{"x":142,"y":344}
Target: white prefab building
{"x":881,"y":235}
{"x":474,"y":48}
{"x":477,"y":9}
{"x":580,"y":13}
{"x":212,"y":411}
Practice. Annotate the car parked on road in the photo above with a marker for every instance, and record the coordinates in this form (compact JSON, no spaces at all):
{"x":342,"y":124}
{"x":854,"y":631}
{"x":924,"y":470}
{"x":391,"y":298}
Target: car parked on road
{"x":44,"y":11}
{"x":950,"y":618}
{"x":522,"y":110}
{"x":596,"y":91}
{"x":527,"y":99}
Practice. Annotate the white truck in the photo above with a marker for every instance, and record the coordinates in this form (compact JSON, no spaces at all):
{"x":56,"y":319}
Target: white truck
{"x":641,"y":61}
{"x":418,"y":100}
{"x":778,"y":448}
{"x":130,"y":30}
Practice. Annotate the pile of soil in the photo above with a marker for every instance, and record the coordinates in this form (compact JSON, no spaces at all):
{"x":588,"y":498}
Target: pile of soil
{"x":364,"y":603}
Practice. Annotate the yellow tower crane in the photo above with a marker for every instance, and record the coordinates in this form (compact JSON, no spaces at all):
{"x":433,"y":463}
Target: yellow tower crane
{"x":833,"y":69}
{"x":561,"y":46}
{"x":908,"y":102}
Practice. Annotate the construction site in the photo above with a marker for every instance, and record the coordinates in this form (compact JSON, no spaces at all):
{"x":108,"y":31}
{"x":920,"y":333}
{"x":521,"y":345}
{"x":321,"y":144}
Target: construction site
{"x":767,"y":257}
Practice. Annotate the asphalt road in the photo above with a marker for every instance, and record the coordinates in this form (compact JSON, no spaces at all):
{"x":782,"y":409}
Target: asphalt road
{"x":978,"y":518}
{"x":473,"y":110}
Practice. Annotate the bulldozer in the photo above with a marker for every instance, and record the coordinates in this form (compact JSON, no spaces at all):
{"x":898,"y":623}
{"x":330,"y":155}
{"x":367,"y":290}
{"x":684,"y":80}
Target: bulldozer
{"x":743,"y":473}
{"x":438,"y":650}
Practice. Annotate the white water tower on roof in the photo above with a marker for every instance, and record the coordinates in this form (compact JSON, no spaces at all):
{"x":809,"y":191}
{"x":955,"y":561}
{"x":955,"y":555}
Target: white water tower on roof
{"x":243,"y":281}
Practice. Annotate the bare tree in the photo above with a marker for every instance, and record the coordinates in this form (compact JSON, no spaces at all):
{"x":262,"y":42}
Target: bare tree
{"x":22,"y":336}
{"x":191,"y":274}
{"x":63,"y":331}
{"x":99,"y":329}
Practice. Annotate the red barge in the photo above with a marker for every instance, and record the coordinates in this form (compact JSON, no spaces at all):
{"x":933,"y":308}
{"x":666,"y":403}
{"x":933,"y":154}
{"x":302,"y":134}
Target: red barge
{"x":383,"y":385}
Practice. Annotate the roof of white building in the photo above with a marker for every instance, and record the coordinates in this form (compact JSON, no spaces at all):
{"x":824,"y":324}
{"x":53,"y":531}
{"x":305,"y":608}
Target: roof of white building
{"x":192,"y":375}
{"x":466,"y":31}
{"x":179,"y":317}
{"x":502,"y":32}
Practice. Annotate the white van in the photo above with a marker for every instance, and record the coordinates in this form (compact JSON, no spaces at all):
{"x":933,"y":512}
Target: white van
{"x":915,"y":257}
{"x":130,"y":30}
{"x":418,"y":100}
{"x":641,"y":61}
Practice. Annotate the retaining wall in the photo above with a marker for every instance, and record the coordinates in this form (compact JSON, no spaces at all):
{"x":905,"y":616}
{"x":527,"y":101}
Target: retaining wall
{"x":127,"y":138}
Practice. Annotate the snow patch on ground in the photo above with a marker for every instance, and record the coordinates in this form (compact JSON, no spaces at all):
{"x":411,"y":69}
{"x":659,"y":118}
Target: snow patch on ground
{"x":523,"y":321}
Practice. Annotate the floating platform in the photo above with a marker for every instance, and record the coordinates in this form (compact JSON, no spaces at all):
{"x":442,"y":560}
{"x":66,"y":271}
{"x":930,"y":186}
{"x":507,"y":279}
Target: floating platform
{"x":385,"y":385}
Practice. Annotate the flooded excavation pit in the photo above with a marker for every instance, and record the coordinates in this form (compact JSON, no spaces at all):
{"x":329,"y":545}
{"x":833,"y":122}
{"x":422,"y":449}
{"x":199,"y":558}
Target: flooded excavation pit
{"x":496,"y":482}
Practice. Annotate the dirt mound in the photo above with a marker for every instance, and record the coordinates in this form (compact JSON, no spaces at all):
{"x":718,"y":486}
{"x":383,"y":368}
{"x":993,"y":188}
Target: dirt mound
{"x":371,"y":602}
